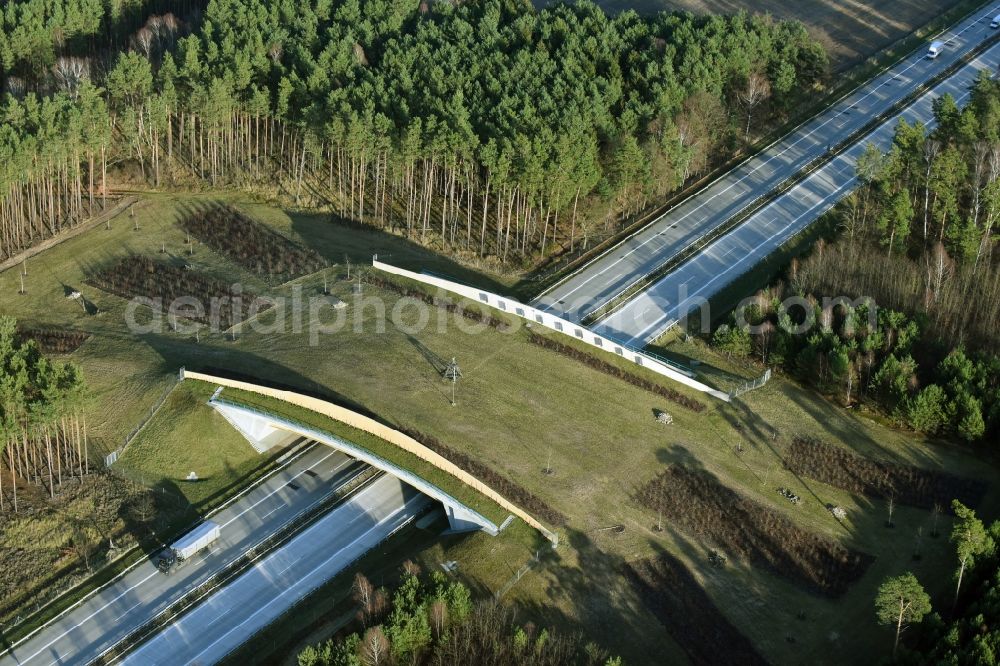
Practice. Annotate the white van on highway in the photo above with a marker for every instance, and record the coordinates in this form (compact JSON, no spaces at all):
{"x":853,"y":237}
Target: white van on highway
{"x":935,"y":50}
{"x":995,"y":23}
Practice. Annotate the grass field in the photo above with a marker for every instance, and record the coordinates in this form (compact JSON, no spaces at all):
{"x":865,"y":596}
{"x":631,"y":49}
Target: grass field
{"x":850,"y":31}
{"x":519,"y":406}
{"x":189,"y":436}
{"x":382,"y":449}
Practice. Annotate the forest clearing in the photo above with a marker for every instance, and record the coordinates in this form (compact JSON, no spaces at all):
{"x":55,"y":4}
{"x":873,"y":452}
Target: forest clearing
{"x":203,"y":185}
{"x":508,"y":395}
{"x":850,"y":31}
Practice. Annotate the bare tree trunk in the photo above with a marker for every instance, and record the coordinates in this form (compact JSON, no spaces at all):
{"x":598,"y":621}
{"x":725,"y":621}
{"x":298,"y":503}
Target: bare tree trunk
{"x":958,"y":587}
{"x":899,"y":628}
{"x":86,"y":454}
{"x":48,"y":455}
{"x":572,"y":229}
{"x":13,"y":477}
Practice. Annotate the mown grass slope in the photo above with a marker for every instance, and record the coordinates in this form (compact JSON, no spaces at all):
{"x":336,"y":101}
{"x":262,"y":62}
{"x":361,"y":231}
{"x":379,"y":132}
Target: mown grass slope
{"x":520,"y":408}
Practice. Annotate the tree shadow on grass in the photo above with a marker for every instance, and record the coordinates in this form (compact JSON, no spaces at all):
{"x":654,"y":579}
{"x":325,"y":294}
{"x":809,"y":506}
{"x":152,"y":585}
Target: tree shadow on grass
{"x":748,"y":423}
{"x":758,"y":432}
{"x":705,"y":507}
{"x":602,"y":596}
{"x":438,"y":363}
{"x":607,"y":597}
{"x":241,"y":365}
{"x":868,"y":517}
{"x":839,"y":423}
{"x":677,"y":454}
{"x":157,"y":517}
{"x":681,"y":602}
{"x":335,"y":238}
{"x":846,"y":427}
{"x":600,"y":605}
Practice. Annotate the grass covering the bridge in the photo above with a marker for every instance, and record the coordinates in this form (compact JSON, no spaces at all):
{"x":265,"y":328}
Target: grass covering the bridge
{"x":374,"y":445}
{"x":521,"y":409}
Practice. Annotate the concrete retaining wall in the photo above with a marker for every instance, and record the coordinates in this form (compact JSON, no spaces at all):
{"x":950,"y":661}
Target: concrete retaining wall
{"x":391,"y":435}
{"x":273,"y":429}
{"x":550,"y":321}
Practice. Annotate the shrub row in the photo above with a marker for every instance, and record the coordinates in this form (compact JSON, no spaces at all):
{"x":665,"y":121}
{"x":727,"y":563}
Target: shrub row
{"x":55,"y":341}
{"x":138,"y":275}
{"x":677,"y":600}
{"x":613,"y":370}
{"x":512,"y":490}
{"x":250,"y":243}
{"x":469,"y":313}
{"x":917,"y":487}
{"x":741,"y":527}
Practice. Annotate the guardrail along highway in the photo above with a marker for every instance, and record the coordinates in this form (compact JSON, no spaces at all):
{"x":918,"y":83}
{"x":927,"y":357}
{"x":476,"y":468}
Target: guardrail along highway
{"x":225,"y":620}
{"x":119,"y":609}
{"x":626,"y":264}
{"x":649,"y":314}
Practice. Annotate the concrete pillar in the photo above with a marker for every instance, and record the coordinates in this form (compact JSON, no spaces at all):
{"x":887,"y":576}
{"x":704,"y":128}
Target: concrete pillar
{"x":463,"y":520}
{"x":257,"y":429}
{"x":264,"y":432}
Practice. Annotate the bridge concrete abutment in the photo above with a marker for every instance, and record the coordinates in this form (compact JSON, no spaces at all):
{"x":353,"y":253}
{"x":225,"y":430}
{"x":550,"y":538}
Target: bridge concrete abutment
{"x":265,"y":431}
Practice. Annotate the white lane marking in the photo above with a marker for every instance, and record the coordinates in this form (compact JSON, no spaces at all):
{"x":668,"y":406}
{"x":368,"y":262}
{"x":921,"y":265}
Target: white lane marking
{"x":129,"y":610}
{"x":921,"y":60}
{"x":666,"y":315}
{"x":821,"y":173}
{"x":294,"y":562}
{"x":87,"y":619}
{"x":282,"y":486}
{"x":152,"y":575}
{"x":304,"y":577}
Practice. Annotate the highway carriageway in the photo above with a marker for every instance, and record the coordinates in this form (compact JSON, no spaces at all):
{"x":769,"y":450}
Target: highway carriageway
{"x":231,"y":615}
{"x":649,"y":314}
{"x":626,"y":264}
{"x":107,"y":617}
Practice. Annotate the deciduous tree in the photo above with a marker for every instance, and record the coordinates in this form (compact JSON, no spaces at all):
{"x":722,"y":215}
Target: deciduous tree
{"x":901,"y":601}
{"x":970,"y":538}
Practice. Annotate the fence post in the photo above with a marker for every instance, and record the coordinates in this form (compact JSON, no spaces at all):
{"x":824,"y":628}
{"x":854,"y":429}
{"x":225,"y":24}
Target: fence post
{"x":750,"y":385}
{"x":112,"y":457}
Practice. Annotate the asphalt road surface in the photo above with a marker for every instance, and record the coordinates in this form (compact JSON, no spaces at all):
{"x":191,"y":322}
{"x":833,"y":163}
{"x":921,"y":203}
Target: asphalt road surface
{"x":613,"y":272}
{"x":106,"y":618}
{"x":226,"y":619}
{"x":649,"y":314}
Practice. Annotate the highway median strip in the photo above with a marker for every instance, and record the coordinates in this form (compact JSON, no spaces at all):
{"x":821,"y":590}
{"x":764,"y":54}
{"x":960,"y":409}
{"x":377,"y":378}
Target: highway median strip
{"x":114,"y":570}
{"x":852,"y":81}
{"x":235,"y":568}
{"x":617,"y":301}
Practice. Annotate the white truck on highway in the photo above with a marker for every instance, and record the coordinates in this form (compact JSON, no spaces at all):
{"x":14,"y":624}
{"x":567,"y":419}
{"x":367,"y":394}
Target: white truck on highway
{"x":935,"y":50}
{"x":995,"y":23}
{"x":188,"y":545}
